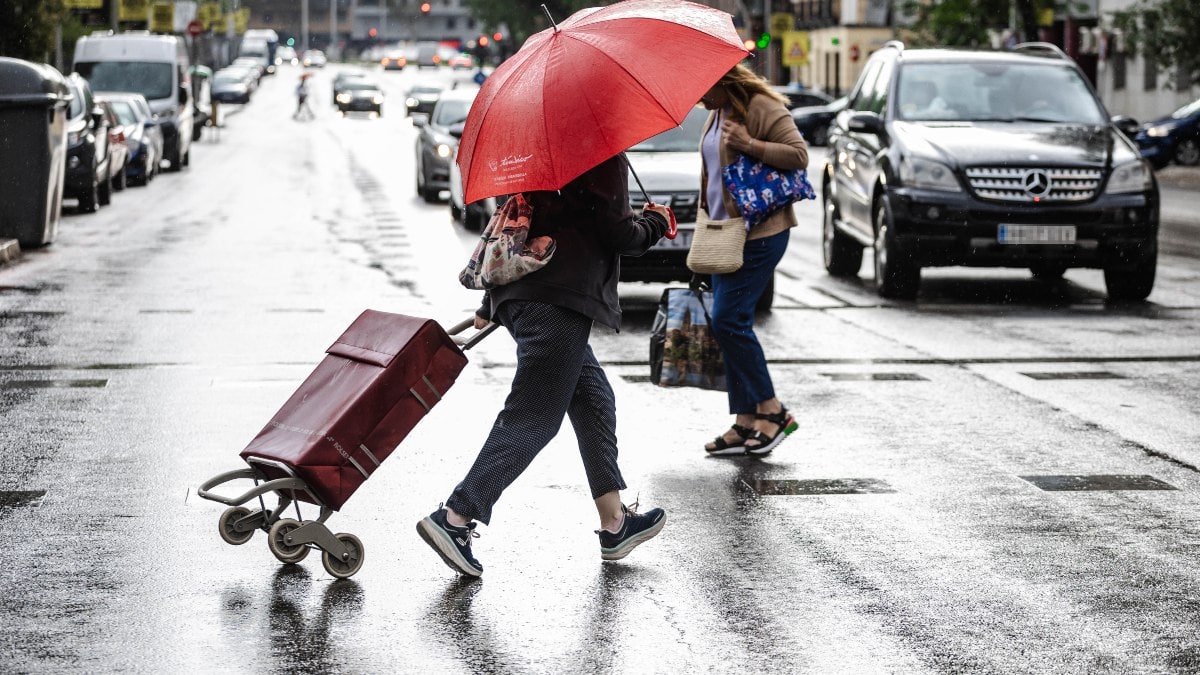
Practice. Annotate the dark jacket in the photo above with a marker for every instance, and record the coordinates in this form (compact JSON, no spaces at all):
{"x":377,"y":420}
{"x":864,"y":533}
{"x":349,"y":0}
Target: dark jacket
{"x":593,"y":226}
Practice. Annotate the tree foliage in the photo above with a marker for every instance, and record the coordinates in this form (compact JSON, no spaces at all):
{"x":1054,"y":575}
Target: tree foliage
{"x":1164,"y":31}
{"x":965,"y":23}
{"x":525,"y":17}
{"x":27,"y":28}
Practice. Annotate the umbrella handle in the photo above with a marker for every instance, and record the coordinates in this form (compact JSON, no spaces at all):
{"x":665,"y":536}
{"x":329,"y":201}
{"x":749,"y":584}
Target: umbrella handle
{"x":672,"y":226}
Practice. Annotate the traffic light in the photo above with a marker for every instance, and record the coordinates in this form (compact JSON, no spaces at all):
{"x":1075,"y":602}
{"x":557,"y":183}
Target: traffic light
{"x":497,"y":36}
{"x":763,"y":40}
{"x":835,"y":41}
{"x":483,"y":40}
{"x":425,"y":7}
{"x":291,"y":42}
{"x":372,"y":32}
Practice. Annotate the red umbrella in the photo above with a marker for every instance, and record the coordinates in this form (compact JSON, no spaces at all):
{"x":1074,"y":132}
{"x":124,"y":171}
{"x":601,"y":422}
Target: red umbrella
{"x":584,"y":90}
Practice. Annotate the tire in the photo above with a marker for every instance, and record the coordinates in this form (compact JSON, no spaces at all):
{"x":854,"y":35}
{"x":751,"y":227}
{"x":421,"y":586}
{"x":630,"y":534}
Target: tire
{"x":90,"y":199}
{"x":345,"y":568}
{"x":1133,"y":283}
{"x":457,"y":213}
{"x":277,"y":542}
{"x":475,"y":218}
{"x":120,"y":181}
{"x":225,"y":526}
{"x":1048,"y":271}
{"x":840,"y":253}
{"x":104,"y":190}
{"x":1187,"y":153}
{"x":895,"y":274}
{"x":187,"y":158}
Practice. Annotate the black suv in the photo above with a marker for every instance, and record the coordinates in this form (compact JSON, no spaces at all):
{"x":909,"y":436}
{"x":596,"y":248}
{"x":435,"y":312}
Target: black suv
{"x":994,"y":159}
{"x":88,"y":177}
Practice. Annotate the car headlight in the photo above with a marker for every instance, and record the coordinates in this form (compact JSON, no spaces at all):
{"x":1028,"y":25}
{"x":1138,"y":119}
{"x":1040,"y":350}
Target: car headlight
{"x":411,"y":102}
{"x":1160,"y":131}
{"x":378,"y":99}
{"x":1134,"y":176}
{"x":442,"y":150}
{"x":343,"y":98}
{"x":925,"y":173}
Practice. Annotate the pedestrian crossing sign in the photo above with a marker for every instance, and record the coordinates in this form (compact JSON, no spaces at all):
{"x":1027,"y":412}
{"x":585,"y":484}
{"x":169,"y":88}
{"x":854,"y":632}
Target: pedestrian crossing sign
{"x":795,"y":48}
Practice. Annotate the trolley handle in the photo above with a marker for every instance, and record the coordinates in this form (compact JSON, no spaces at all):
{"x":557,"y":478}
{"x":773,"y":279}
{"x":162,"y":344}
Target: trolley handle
{"x":466,"y":343}
{"x":258,"y":490}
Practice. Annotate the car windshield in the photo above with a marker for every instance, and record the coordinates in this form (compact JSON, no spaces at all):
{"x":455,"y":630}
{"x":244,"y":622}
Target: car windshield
{"x":451,"y":112}
{"x":152,"y":80}
{"x":227,"y":78}
{"x":683,"y":138}
{"x":124,"y":111}
{"x":360,"y":86}
{"x":75,"y":108}
{"x":1004,"y":92}
{"x":1187,"y":110}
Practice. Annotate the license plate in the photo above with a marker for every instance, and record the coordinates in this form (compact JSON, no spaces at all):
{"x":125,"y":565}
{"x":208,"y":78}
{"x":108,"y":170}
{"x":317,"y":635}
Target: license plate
{"x":1035,"y":234}
{"x":683,"y":239}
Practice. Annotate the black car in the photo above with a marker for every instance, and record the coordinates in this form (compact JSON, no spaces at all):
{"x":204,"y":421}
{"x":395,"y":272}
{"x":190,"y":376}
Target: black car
{"x":421,"y":98}
{"x":1175,"y":137}
{"x":360,"y":95}
{"x":802,"y":97}
{"x":992,"y":159}
{"x":88,"y":176}
{"x":813,"y":121}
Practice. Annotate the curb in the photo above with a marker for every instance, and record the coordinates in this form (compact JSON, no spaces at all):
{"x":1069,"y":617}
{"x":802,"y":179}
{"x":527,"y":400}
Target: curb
{"x":10,"y":250}
{"x":1179,"y":177}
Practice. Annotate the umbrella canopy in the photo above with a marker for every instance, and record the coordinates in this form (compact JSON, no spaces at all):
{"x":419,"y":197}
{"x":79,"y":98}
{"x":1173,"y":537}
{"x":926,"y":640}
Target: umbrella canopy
{"x":580,"y":92}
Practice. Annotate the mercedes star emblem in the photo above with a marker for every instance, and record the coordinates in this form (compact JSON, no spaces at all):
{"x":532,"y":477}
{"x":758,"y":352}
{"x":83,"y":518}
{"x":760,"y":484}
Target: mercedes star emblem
{"x":1037,"y":183}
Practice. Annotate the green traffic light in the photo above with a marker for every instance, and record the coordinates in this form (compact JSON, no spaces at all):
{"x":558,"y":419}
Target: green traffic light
{"x":764,"y":40}
{"x":291,"y":42}
{"x":835,"y":41}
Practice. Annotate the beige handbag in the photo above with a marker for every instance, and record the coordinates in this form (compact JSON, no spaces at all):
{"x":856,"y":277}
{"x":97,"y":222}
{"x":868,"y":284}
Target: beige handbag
{"x":717,"y":245}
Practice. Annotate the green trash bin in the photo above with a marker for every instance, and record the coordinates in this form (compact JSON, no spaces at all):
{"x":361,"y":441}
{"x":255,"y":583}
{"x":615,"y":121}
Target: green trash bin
{"x":33,"y":150}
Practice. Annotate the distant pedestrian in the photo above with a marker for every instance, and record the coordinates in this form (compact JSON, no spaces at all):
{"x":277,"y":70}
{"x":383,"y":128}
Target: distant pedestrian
{"x":748,"y":117}
{"x":549,"y":314}
{"x":303,"y":110}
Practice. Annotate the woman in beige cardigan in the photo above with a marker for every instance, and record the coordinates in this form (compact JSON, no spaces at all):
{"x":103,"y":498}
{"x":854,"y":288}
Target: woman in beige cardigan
{"x":747,"y":117}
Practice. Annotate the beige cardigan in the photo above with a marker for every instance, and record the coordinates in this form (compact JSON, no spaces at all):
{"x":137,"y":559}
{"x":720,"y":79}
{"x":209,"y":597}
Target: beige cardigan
{"x":783,"y":148}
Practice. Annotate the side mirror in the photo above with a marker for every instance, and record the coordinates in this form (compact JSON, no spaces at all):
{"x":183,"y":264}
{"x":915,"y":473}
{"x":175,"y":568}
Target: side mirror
{"x":866,"y":123}
{"x":456,"y":130}
{"x":420,"y":119}
{"x":97,"y":118}
{"x":1126,"y":124}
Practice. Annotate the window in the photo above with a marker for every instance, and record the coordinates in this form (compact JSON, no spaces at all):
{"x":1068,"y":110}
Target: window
{"x":1118,"y":62}
{"x":1149,"y":73}
{"x":860,"y":100}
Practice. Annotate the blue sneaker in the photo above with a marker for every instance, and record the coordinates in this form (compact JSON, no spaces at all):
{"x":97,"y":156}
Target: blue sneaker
{"x":452,"y":543}
{"x":635,"y":529}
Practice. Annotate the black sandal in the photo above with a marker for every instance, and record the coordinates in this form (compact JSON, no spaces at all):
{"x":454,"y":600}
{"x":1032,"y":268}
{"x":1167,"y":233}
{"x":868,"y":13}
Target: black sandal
{"x":724,"y":447}
{"x":765,"y":444}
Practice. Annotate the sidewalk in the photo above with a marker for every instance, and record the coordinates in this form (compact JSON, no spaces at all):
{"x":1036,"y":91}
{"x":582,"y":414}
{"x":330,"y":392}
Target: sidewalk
{"x":1186,"y":177}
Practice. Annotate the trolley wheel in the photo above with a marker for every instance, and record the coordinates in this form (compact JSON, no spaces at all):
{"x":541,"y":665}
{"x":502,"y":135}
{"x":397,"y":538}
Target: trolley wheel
{"x":345,"y":568}
{"x":225,"y":525}
{"x":277,"y":542}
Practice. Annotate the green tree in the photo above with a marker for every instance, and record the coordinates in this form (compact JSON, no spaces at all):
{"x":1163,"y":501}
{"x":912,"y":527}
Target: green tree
{"x":965,"y":23}
{"x":1164,"y":31}
{"x":525,"y":17}
{"x":27,"y":28}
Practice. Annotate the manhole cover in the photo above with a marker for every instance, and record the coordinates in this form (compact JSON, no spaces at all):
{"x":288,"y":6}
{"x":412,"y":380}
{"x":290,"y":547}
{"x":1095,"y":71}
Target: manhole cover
{"x":1080,"y":483}
{"x":52,"y":384}
{"x":1081,"y":375}
{"x":15,"y":498}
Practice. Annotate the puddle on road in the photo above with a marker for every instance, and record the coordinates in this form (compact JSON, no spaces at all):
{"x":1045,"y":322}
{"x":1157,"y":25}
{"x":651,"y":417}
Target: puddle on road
{"x":1081,"y":375}
{"x":53,"y":384}
{"x":875,"y":377}
{"x":1096,"y":482}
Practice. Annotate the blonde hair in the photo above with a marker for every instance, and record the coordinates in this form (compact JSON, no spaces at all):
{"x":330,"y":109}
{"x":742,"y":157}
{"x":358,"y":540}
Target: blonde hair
{"x":742,"y":84}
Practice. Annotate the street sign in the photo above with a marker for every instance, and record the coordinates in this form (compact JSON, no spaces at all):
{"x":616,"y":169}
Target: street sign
{"x":162,"y":17}
{"x":195,"y":27}
{"x":795,"y":48}
{"x":480,"y":77}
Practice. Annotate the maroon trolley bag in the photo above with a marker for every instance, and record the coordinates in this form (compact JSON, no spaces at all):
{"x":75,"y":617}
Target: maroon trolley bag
{"x":374,"y":385}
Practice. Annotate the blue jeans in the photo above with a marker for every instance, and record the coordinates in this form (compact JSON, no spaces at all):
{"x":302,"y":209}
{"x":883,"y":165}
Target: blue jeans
{"x":734,"y":298}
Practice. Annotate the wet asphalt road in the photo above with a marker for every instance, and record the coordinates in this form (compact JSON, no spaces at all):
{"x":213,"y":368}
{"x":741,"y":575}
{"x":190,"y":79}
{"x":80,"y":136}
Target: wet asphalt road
{"x":1000,"y":477}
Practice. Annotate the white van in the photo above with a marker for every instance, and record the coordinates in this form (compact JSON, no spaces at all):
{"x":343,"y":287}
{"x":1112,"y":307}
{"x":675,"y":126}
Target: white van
{"x":155,"y":66}
{"x":260,"y":44}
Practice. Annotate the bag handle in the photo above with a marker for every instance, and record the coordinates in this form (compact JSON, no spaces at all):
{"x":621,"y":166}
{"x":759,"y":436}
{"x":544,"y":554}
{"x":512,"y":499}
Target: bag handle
{"x":466,"y":343}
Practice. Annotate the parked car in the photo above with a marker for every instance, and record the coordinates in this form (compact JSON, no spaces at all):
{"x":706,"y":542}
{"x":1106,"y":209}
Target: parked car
{"x":813,"y":121}
{"x":462,"y":61}
{"x":118,"y":151}
{"x":668,"y":165}
{"x":285,"y":55}
{"x":993,"y":159}
{"x":421,"y":98}
{"x":313,"y":58}
{"x":87,"y":176}
{"x":802,"y":97}
{"x":473,"y":216}
{"x":254,"y":63}
{"x":436,"y":142}
{"x":394,"y":60}
{"x":143,"y":136}
{"x":230,"y":86}
{"x":1175,"y":137}
{"x":428,"y":56}
{"x":360,"y":95}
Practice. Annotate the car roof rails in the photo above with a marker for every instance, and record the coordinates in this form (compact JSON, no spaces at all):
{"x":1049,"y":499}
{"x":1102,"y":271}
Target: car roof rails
{"x":893,"y":44}
{"x":1046,"y":49}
